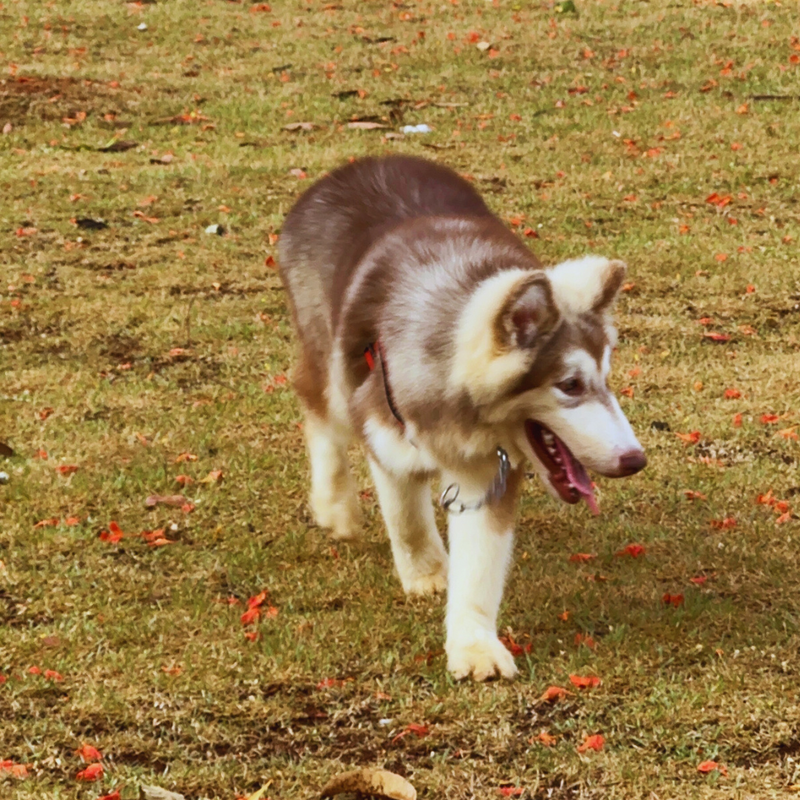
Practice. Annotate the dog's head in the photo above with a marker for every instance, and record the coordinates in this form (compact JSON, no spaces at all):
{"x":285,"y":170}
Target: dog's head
{"x":533,"y":351}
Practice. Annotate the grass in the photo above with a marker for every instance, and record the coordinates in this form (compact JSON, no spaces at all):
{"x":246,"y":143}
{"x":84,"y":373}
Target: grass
{"x":125,"y":347}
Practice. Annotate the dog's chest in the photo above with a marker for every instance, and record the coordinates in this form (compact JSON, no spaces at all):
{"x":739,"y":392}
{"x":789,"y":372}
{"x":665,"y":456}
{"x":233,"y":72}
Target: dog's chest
{"x":395,"y":449}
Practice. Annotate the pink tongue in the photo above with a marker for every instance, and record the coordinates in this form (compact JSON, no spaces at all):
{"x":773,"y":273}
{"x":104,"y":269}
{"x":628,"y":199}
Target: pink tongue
{"x":578,"y":476}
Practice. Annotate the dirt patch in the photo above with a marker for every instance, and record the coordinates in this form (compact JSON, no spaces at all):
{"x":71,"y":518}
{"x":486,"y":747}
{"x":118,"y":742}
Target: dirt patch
{"x":50,"y":97}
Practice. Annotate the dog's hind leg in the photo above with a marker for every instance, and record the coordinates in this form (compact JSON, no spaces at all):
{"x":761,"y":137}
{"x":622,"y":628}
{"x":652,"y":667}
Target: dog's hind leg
{"x":417,"y":547}
{"x":333,"y":500}
{"x":333,"y":497}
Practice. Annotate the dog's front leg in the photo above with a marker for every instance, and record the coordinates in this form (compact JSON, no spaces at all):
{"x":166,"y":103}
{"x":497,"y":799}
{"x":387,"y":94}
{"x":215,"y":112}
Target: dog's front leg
{"x":419,"y":553}
{"x":481,"y":542}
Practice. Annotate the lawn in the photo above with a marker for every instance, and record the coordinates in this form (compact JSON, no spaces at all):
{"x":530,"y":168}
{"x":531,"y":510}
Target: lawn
{"x":156,"y":476}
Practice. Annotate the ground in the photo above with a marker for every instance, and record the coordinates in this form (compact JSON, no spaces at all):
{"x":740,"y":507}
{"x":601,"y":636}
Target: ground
{"x":142,"y":348}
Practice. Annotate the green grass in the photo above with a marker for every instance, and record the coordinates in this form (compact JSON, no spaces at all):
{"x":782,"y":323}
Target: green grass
{"x":88,"y":319}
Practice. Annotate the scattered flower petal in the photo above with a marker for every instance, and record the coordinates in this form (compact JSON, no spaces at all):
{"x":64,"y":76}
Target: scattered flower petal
{"x":594,"y":742}
{"x":710,"y":766}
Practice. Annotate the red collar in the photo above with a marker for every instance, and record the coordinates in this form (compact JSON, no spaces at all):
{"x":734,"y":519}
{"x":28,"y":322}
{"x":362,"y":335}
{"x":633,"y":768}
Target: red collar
{"x":373,"y":354}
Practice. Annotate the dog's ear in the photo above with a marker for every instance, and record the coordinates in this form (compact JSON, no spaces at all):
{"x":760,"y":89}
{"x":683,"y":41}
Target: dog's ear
{"x":612,"y":273}
{"x":529,"y":313}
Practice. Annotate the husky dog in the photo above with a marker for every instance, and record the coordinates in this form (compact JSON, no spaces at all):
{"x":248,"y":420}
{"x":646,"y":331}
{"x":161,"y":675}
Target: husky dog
{"x":429,"y":331}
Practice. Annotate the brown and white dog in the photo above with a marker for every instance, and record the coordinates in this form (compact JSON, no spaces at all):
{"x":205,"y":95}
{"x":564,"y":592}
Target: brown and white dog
{"x":431,"y":332}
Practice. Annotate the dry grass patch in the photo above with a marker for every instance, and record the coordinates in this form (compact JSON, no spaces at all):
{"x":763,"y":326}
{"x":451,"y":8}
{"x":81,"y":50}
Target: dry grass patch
{"x":660,"y":133}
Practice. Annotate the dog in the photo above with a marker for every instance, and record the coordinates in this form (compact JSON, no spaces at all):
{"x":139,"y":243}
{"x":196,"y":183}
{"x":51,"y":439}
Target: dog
{"x":430,"y":332}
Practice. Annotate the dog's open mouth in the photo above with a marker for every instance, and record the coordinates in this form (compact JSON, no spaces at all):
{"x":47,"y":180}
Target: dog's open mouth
{"x":567,"y":475}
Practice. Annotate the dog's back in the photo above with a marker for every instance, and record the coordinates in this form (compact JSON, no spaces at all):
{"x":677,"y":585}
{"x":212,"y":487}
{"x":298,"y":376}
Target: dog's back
{"x":336,"y":221}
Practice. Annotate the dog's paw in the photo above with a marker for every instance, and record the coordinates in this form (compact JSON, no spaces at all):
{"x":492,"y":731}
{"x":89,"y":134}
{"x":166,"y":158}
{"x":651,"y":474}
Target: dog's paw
{"x":481,"y":659}
{"x":422,"y":585}
{"x":343,"y":518}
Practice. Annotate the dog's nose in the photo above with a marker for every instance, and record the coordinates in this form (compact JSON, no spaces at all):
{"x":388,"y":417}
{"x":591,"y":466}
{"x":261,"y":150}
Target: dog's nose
{"x":632,"y":462}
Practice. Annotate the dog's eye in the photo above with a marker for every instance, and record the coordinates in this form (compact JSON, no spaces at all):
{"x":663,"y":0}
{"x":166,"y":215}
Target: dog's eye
{"x":572,"y":386}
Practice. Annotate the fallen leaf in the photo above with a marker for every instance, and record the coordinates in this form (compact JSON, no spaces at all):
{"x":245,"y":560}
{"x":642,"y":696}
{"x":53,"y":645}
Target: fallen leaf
{"x":215,"y":476}
{"x":718,"y":200}
{"x":582,"y":558}
{"x":710,"y":766}
{"x":674,"y":600}
{"x":183,"y":480}
{"x":92,"y":773}
{"x":258,"y":599}
{"x":692,"y":495}
{"x":514,"y":647}
{"x":47,"y":523}
{"x":769,"y":419}
{"x":298,"y":173}
{"x":113,"y":796}
{"x":632,"y":550}
{"x":328,"y":683}
{"x":87,"y":753}
{"x":585,"y":639}
{"x":113,"y":534}
{"x":689,"y":438}
{"x":299,"y":126}
{"x":176,"y":500}
{"x":717,"y":337}
{"x":54,"y":676}
{"x":511,"y":791}
{"x":737,"y":420}
{"x":66,"y":469}
{"x":553,"y":693}
{"x":585,"y":682}
{"x":732,"y":394}
{"x":15,"y":770}
{"x":370,"y":782}
{"x":699,"y":580}
{"x":594,"y":742}
{"x":723,"y":524}
{"x":543,"y":737}
{"x":250,"y":616}
{"x":185,"y":457}
{"x":413,"y":727}
{"x":767,"y":499}
{"x":364,"y":126}
{"x":174,"y":670}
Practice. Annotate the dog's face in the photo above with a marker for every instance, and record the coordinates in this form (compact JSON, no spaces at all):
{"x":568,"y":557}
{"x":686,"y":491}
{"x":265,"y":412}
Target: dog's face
{"x":534,"y":353}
